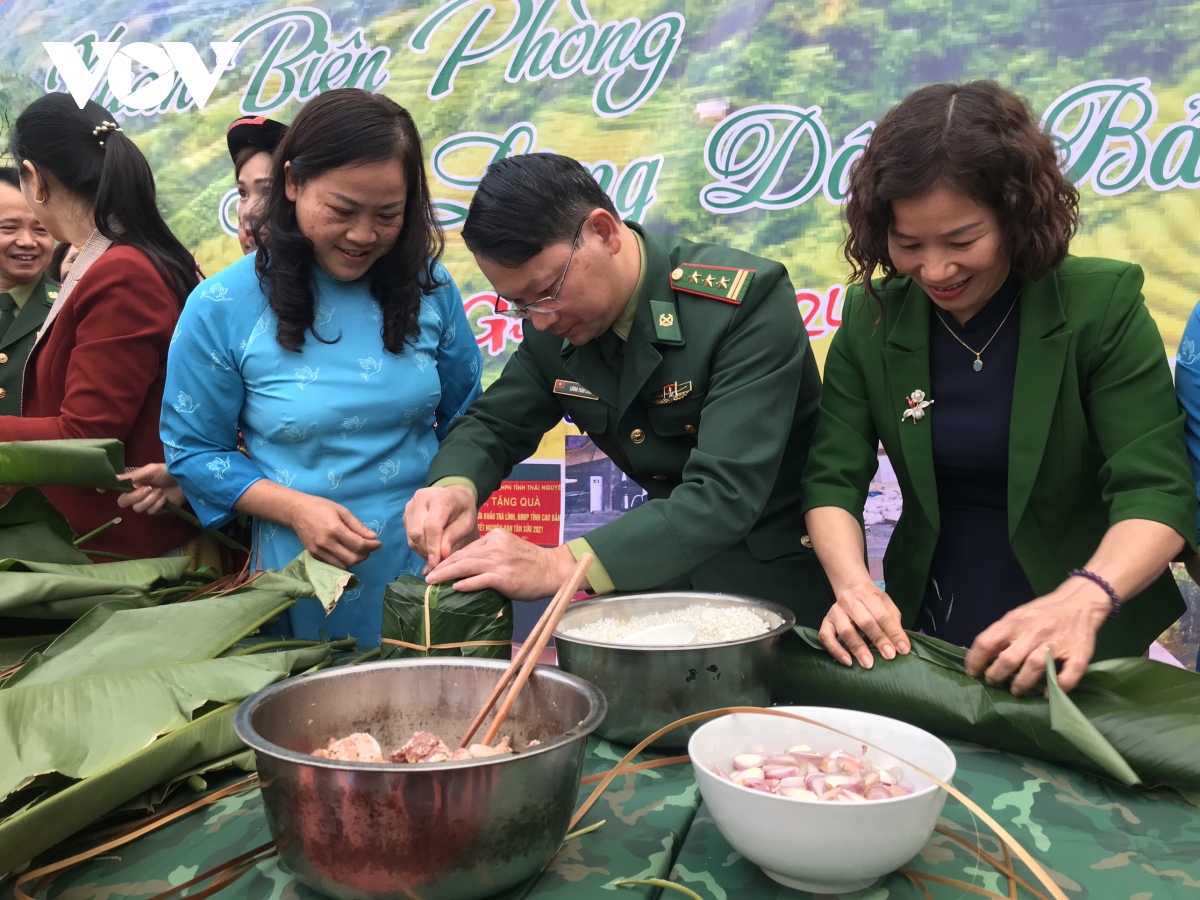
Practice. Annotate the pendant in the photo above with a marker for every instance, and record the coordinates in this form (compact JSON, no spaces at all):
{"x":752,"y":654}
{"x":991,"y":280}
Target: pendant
{"x":977,"y":365}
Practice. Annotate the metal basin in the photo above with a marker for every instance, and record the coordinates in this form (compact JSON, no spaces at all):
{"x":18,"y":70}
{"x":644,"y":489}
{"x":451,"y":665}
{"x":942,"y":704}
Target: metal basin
{"x":436,"y":831}
{"x":649,"y":687}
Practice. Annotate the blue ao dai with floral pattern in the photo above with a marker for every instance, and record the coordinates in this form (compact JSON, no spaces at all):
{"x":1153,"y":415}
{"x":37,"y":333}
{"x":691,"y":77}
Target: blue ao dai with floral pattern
{"x":346,"y":420}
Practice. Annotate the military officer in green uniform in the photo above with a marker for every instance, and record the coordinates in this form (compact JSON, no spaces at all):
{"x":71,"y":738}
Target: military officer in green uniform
{"x":688,"y":364}
{"x":26,"y":292}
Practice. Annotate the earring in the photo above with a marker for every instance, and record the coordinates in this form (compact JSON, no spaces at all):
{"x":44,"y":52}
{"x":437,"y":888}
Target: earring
{"x":39,"y":199}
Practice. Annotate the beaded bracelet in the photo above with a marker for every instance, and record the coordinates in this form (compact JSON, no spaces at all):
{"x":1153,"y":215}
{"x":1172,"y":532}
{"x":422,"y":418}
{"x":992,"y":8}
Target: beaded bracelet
{"x":1104,"y":585}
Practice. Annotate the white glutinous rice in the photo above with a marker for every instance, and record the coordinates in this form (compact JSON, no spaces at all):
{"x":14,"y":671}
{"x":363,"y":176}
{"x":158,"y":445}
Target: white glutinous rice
{"x":713,"y":625}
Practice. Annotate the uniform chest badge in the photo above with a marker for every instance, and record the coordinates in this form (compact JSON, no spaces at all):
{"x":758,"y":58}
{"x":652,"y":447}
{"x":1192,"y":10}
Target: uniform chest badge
{"x":572,"y":389}
{"x":676,"y":390}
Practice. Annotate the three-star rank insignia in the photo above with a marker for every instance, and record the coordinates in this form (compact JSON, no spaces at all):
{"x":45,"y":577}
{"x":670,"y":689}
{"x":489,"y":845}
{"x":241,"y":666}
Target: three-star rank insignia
{"x":716,"y":282}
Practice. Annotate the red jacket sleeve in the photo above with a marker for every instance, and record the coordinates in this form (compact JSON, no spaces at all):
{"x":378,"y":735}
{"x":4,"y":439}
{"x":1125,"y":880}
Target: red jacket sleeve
{"x":124,"y":316}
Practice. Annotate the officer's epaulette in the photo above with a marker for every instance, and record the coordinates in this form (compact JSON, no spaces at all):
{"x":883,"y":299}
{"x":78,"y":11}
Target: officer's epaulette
{"x":717,"y":282}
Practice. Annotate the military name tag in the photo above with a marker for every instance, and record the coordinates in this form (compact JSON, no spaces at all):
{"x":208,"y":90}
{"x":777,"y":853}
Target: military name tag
{"x":676,"y":390}
{"x":573,"y":389}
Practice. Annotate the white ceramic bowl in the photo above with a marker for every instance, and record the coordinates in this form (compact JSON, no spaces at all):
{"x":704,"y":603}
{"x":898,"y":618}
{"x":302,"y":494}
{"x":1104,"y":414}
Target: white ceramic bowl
{"x":825,"y":847}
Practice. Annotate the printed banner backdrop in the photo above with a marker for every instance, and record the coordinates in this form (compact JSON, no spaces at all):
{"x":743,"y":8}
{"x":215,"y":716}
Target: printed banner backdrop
{"x":728,"y":121}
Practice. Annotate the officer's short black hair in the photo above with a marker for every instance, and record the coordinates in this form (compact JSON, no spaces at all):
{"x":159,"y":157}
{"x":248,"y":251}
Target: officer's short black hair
{"x":10,"y":176}
{"x":526,"y":203}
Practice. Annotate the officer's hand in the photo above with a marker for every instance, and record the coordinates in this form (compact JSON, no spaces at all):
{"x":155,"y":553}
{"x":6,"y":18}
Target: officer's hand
{"x":440,"y":520}
{"x":516,"y":568}
{"x":153,"y":488}
{"x":329,"y":531}
{"x":863,"y":609}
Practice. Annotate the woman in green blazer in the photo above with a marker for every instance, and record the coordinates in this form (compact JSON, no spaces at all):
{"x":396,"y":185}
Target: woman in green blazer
{"x":1023,"y":397}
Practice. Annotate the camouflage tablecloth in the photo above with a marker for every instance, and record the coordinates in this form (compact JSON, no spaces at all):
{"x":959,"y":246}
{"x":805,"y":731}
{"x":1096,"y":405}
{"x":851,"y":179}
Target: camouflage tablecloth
{"x":1098,"y":840}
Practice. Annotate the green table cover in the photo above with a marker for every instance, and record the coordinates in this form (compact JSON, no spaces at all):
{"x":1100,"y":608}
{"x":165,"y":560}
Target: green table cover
{"x":1099,"y":840}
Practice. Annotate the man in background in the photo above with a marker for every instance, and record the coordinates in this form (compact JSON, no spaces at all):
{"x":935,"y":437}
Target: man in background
{"x":26,"y":291}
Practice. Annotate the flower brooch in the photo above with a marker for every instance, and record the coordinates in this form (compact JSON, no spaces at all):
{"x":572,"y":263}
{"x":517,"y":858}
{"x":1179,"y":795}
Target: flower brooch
{"x":916,"y":407}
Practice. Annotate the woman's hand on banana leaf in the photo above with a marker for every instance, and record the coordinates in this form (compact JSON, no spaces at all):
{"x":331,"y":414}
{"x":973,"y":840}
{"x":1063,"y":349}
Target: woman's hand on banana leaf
{"x":153,"y":488}
{"x":1065,"y":621}
{"x":863,"y":609}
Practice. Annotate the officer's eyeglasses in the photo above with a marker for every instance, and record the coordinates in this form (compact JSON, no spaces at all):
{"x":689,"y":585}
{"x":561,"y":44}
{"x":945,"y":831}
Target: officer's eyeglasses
{"x":521,"y":311}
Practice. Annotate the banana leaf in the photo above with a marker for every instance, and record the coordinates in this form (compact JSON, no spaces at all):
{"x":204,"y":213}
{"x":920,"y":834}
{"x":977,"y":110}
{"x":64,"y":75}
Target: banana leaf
{"x":81,"y":726}
{"x":14,"y":650}
{"x":59,"y":591}
{"x":83,"y":462}
{"x":42,"y":825}
{"x":1134,"y":721}
{"x":31,"y":528}
{"x":454,"y":618}
{"x":130,"y":700}
{"x":114,"y":636}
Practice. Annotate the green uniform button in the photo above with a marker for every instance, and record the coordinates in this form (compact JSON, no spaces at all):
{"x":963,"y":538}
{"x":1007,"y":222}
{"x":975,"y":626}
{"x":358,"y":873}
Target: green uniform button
{"x":676,"y":274}
{"x":690,"y":429}
{"x":3,"y":358}
{"x":806,"y":541}
{"x":637,"y":435}
{"x":3,"y":393}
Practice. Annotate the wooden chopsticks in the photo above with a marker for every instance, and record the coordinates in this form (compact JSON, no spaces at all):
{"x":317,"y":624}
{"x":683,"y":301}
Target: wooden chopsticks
{"x":523,"y":663}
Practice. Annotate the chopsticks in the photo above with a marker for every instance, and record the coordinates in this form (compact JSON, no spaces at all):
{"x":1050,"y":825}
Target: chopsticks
{"x":527,"y":658}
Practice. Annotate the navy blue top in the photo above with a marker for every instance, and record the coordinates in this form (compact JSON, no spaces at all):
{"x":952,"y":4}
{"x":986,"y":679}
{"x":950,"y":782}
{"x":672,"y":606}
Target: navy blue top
{"x":975,"y":577}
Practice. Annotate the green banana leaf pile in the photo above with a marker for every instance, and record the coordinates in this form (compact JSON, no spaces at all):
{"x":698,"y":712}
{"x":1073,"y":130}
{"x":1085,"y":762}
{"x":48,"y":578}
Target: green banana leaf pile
{"x":132,"y":699}
{"x":1135,"y":721}
{"x":454,"y":618}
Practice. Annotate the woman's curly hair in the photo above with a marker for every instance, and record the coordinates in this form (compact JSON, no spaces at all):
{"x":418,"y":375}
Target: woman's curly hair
{"x":348,"y":127}
{"x":975,"y":138}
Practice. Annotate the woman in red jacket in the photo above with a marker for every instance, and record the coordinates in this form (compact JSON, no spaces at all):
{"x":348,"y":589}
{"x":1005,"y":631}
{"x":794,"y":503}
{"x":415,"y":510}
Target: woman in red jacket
{"x":98,"y":365}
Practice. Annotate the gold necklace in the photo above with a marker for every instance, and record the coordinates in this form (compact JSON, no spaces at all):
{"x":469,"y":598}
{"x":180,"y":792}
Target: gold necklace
{"x":978,"y":364}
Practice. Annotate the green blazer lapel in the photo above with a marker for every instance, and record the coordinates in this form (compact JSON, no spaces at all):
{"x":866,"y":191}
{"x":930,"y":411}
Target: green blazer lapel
{"x":906,"y":364}
{"x":31,"y":316}
{"x":1041,"y":357}
{"x":587,"y":365}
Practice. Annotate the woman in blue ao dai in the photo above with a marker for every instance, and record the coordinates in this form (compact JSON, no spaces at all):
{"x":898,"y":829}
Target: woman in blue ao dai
{"x":341,"y":351}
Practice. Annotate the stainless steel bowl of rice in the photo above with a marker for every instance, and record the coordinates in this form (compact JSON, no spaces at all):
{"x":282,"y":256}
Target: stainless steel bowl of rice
{"x":629,"y":646}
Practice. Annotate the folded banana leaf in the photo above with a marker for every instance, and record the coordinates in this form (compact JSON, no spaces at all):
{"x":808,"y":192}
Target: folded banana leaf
{"x":31,"y":528}
{"x":130,"y":699}
{"x":1135,"y":721}
{"x":82,"y":462}
{"x":481,"y":619}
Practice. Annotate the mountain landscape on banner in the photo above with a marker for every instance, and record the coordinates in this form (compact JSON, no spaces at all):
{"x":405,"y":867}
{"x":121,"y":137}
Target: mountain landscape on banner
{"x":732,"y":122}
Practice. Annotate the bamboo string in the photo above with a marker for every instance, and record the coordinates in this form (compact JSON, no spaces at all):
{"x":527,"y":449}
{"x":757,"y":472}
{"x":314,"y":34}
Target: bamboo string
{"x":429,"y":636}
{"x":640,"y":767}
{"x":1005,"y":868}
{"x":954,"y":883}
{"x":64,"y":864}
{"x":1012,"y":888}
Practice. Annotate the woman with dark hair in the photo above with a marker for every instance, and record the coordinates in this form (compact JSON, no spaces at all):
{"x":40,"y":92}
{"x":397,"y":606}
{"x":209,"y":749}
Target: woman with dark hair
{"x":61,"y":260}
{"x":251,"y":141}
{"x":1022,"y":395}
{"x":342,"y":352}
{"x":97,"y":369}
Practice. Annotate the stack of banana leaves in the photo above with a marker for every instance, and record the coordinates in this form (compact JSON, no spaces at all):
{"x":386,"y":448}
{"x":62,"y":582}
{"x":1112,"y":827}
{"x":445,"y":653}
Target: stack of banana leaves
{"x":112,"y":690}
{"x":1134,"y":721}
